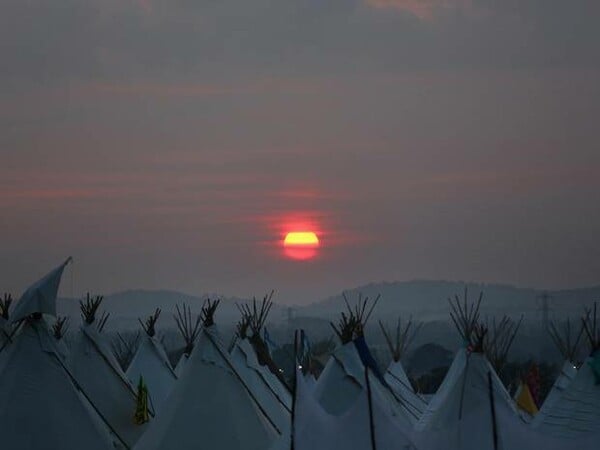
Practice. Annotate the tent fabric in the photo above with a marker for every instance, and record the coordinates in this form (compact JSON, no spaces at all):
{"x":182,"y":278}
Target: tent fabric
{"x":271,"y":394}
{"x":434,"y":415}
{"x":152,"y":363}
{"x":209,"y":407}
{"x":95,"y":367}
{"x":40,"y":297}
{"x":594,"y":363}
{"x":341,"y":381}
{"x":566,"y":376}
{"x":395,"y":377}
{"x":316,"y":429}
{"x":41,"y":407}
{"x":574,"y":411}
{"x":474,"y":406}
{"x":282,"y":391}
{"x":181,"y":364}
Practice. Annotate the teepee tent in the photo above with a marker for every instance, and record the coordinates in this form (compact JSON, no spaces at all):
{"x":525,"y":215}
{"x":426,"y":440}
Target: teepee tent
{"x":395,"y":376}
{"x":189,"y":330}
{"x":268,"y":389}
{"x":365,"y":424}
{"x":342,"y":381}
{"x":152,"y":363}
{"x":255,"y":317}
{"x":124,"y":347}
{"x":95,"y":367}
{"x":43,"y":406}
{"x":574,"y":411}
{"x":40,"y":297}
{"x":210,"y":406}
{"x":567,"y":339}
{"x":472,"y":409}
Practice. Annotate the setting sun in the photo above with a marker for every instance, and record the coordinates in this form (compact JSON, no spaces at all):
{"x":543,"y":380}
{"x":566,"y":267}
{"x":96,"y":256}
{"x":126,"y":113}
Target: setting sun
{"x":301,"y":244}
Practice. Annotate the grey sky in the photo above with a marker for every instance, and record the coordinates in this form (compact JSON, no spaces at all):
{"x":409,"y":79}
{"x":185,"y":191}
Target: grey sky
{"x":166,"y":144}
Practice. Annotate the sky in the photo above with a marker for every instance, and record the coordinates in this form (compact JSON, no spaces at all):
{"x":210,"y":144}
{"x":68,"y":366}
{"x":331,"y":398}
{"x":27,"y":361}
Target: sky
{"x":172,"y":144}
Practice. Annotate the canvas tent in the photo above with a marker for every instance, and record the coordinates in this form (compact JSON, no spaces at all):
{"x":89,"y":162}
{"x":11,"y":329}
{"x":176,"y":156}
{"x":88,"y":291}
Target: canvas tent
{"x":43,"y":406}
{"x":395,"y":375}
{"x":40,"y":297}
{"x":367,"y":421}
{"x":574,"y":408}
{"x":189,"y":330}
{"x":152,"y":363}
{"x":268,"y":388}
{"x":210,"y":406}
{"x":472,"y":409}
{"x":97,"y":370}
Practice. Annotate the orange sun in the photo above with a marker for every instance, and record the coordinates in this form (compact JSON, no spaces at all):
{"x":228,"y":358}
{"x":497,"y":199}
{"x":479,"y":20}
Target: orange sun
{"x":301,"y":244}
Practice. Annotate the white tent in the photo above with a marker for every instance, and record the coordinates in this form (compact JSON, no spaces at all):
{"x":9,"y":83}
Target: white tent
{"x":181,"y":364}
{"x":266,"y":387}
{"x":366,"y":423}
{"x":396,"y":378}
{"x":97,"y":370}
{"x":341,"y":381}
{"x":574,"y":411}
{"x":210,"y":407}
{"x":152,"y":363}
{"x":41,"y":407}
{"x":40,"y":297}
{"x":473,"y":411}
{"x":399,"y":341}
{"x":566,"y":376}
{"x":189,"y":330}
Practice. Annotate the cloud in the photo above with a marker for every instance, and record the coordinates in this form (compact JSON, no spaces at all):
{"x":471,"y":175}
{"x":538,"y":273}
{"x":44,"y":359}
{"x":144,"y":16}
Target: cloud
{"x":424,"y":9}
{"x":186,"y":42}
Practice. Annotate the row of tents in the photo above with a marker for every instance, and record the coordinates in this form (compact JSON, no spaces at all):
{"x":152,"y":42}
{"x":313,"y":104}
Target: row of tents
{"x":230,"y":397}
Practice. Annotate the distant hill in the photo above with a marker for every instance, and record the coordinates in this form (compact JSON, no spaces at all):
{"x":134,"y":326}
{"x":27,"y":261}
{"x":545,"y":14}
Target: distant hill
{"x":427,"y":300}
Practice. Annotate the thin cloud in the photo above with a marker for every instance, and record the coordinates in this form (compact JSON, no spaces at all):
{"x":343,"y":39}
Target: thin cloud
{"x":424,"y":9}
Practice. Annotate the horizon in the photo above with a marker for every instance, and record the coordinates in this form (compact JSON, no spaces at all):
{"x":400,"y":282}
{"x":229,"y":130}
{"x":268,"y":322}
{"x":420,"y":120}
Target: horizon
{"x":322,"y":298}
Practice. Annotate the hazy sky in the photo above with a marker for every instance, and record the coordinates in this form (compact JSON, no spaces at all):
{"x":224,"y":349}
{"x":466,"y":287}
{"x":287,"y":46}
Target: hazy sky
{"x":169,"y":144}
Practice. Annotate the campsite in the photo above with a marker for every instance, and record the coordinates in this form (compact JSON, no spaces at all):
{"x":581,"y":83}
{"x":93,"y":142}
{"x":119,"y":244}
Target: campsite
{"x":72,"y":386}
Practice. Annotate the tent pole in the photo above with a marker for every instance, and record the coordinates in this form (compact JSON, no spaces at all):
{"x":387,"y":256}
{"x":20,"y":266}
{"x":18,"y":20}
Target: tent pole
{"x":493,"y":410}
{"x":370,"y":402}
{"x":295,"y":393}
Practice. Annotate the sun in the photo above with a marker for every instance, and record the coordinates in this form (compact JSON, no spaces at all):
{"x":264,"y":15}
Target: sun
{"x":301,"y":244}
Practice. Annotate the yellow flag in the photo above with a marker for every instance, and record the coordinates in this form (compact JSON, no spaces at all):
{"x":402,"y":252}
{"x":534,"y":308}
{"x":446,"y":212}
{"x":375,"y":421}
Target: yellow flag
{"x":141,"y":409}
{"x":525,"y":400}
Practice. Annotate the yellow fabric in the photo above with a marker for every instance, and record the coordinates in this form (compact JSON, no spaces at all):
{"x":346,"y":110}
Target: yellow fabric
{"x":525,"y":400}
